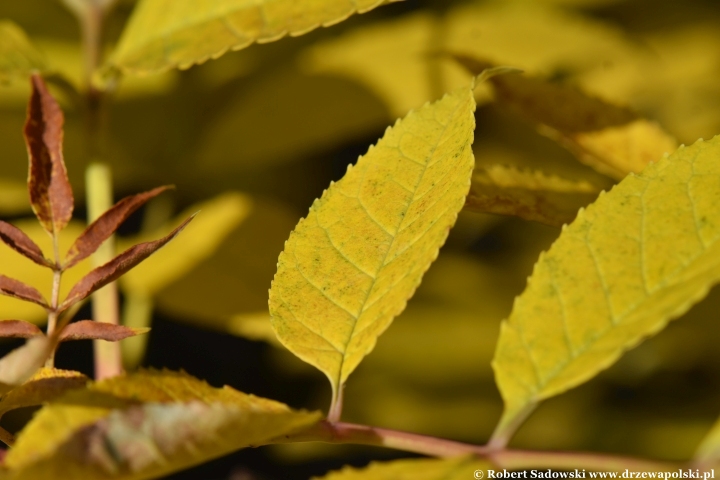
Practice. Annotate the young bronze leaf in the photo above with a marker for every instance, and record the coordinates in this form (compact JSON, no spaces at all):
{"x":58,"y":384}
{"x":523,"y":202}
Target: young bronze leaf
{"x":17,"y":289}
{"x":531,"y":195}
{"x":613,"y":140}
{"x":116,"y":267}
{"x":83,"y":436}
{"x":16,"y":239}
{"x":19,"y":365}
{"x":638,"y":257}
{"x":18,"y":57}
{"x":351,"y":265}
{"x":458,"y":468}
{"x":164,"y":34}
{"x":47,"y":384}
{"x":91,"y":330}
{"x":50,"y":193}
{"x":18,"y":329}
{"x":102,"y":228}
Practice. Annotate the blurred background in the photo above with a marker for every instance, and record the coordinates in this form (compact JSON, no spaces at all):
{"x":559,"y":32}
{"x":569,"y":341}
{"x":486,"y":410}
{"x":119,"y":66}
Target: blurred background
{"x":251,"y":139}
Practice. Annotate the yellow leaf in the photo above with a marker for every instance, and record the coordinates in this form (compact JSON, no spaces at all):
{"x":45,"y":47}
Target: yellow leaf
{"x":47,"y":384}
{"x":18,"y":57}
{"x":163,"y":34}
{"x":351,"y":265}
{"x":20,"y":365}
{"x":216,"y":219}
{"x":637,"y":258}
{"x":460,"y":468}
{"x":145,"y":425}
{"x":708,"y":453}
{"x":398,"y":59}
{"x":253,"y":326}
{"x":612,"y":139}
{"x":531,"y":195}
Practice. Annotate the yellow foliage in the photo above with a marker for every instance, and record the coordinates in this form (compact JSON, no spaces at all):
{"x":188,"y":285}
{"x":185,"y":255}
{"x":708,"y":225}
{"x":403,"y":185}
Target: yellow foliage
{"x":637,"y":258}
{"x":460,"y":468}
{"x":145,"y":425}
{"x":18,"y":57}
{"x":163,"y":34}
{"x":349,"y":267}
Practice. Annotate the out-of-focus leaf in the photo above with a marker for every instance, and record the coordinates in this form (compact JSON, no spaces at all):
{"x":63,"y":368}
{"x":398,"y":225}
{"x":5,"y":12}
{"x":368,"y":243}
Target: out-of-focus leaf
{"x":105,"y":225}
{"x":398,"y":59}
{"x":349,"y":267}
{"x":50,"y":193}
{"x":116,"y":267}
{"x":89,"y":330}
{"x":638,"y":257}
{"x":531,"y":195}
{"x":234,"y":279}
{"x":611,"y":139}
{"x":394,"y":59}
{"x":16,"y":239}
{"x":18,"y":329}
{"x":708,"y":453}
{"x":39,"y":277}
{"x":47,"y":384}
{"x":18,"y":57}
{"x":460,"y":468}
{"x":253,"y":326}
{"x":217,"y":218}
{"x":145,"y":425}
{"x":164,"y":34}
{"x":19,"y":365}
{"x":16,"y":289}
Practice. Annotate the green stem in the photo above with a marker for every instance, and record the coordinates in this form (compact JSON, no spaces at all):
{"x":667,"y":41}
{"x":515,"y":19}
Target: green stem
{"x":105,"y":306}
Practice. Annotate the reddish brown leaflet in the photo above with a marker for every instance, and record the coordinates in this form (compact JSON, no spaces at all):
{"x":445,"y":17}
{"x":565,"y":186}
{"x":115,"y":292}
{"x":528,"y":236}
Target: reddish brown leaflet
{"x":102,"y":228}
{"x":50,"y":192}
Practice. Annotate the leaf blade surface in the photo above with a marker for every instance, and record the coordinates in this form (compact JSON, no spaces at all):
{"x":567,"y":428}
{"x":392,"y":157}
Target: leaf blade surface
{"x":638,"y":257}
{"x":351,"y":265}
{"x":163,"y":34}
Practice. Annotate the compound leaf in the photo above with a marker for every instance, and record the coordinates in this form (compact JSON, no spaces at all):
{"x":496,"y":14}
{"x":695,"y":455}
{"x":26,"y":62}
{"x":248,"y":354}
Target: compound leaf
{"x":18,"y":240}
{"x":459,"y":468}
{"x":351,"y":265}
{"x":145,"y":425}
{"x":531,"y":195}
{"x":638,"y":257}
{"x":164,"y":34}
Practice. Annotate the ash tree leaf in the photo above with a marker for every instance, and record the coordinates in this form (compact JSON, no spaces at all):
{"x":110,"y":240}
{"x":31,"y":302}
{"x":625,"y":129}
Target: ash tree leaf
{"x":19,"y":365}
{"x":106,"y":224}
{"x":611,"y":139}
{"x":163,"y":34}
{"x":18,"y":329}
{"x":18,"y":57}
{"x":638,"y":257}
{"x":116,"y":267}
{"x":16,"y":239}
{"x":531,"y":195}
{"x":47,"y":384}
{"x":17,"y":289}
{"x":459,"y":468}
{"x":51,"y":196}
{"x":91,"y":330}
{"x":145,"y":425}
{"x":350,"y":266}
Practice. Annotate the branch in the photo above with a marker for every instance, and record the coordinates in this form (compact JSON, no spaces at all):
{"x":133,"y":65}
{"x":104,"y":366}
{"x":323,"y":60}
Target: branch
{"x":348,"y":433}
